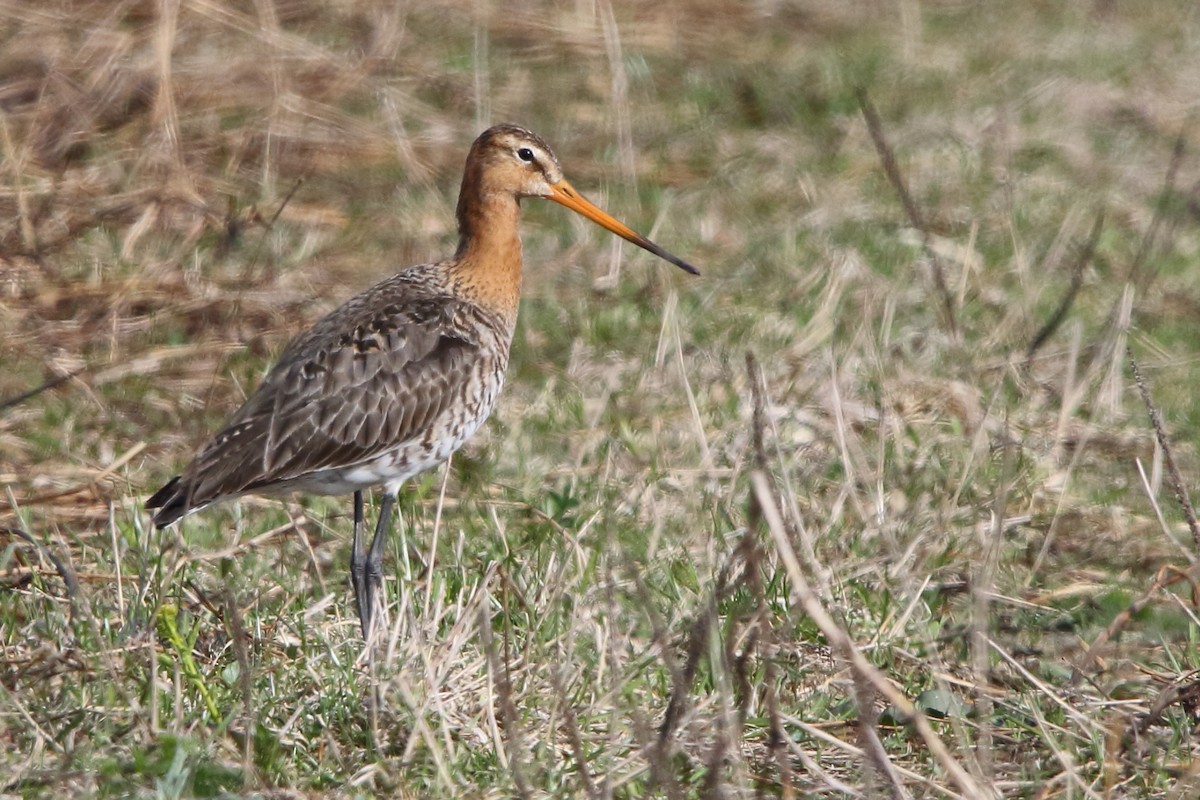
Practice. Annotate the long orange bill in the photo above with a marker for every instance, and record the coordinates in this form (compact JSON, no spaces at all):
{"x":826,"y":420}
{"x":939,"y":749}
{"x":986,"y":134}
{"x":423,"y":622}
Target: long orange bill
{"x":564,"y":194}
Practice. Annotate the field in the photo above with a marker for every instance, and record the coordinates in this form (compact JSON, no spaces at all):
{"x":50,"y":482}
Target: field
{"x":875,"y":507}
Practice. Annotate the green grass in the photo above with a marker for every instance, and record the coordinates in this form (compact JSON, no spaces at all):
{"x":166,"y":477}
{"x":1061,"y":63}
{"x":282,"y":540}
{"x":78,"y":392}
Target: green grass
{"x":596,"y":564}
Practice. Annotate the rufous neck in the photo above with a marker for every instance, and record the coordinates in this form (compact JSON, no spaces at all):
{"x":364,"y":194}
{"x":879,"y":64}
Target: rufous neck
{"x":487,"y":222}
{"x":487,"y":264}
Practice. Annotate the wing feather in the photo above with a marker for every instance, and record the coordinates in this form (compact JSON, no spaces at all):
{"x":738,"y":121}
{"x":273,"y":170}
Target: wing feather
{"x":366,"y":379}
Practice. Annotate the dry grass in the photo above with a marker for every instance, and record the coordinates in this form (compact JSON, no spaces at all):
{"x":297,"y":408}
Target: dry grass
{"x":657,"y":572}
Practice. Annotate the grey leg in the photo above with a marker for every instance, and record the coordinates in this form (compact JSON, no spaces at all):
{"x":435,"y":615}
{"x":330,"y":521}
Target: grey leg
{"x":358,"y":564}
{"x":366,"y":572}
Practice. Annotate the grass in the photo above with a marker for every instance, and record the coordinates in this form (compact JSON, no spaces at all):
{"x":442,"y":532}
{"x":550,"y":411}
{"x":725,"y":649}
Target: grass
{"x":639,"y":579}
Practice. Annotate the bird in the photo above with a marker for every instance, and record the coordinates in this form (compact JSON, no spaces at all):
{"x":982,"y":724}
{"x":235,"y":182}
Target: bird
{"x":400,"y":376}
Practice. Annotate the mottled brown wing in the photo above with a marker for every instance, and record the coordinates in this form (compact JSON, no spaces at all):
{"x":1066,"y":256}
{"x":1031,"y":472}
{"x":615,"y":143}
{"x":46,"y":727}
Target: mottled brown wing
{"x":350,"y":404}
{"x":335,"y":400}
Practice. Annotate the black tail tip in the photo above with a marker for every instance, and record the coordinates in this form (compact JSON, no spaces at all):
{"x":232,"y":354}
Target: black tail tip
{"x":168,"y":502}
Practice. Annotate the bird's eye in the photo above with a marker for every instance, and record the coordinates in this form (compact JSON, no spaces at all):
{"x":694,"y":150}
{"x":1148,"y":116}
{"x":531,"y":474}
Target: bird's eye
{"x":526,"y":155}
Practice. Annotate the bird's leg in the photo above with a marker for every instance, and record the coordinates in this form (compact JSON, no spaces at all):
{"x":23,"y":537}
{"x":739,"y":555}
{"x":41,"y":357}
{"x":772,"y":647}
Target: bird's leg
{"x":375,"y":554}
{"x":367,"y":573}
{"x":358,"y":565}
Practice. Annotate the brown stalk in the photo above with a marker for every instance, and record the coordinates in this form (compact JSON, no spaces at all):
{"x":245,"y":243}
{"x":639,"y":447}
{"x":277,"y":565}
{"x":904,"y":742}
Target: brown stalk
{"x":1166,"y":576}
{"x":777,"y":737}
{"x":1064,"y":306}
{"x":1134,"y":277}
{"x":888,"y":158}
{"x":1177,"y":484}
{"x":64,"y":570}
{"x":260,"y":248}
{"x":657,"y":751}
{"x":681,"y":680}
{"x":1151,"y":238}
{"x":657,"y":758}
{"x":508,"y":708}
{"x":1183,"y":691}
{"x":53,"y":383}
{"x":573,"y":737}
{"x":983,"y":588}
{"x":716,"y":760}
{"x":238,"y":637}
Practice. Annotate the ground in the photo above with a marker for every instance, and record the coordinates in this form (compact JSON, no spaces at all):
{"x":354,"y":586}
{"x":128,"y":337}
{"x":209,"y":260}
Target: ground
{"x":722,"y":533}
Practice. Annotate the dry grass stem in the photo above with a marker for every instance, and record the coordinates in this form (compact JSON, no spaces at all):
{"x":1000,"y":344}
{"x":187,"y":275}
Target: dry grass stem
{"x":842,"y":644}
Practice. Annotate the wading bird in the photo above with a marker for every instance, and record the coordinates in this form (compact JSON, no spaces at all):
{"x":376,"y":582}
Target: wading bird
{"x":397,"y":378}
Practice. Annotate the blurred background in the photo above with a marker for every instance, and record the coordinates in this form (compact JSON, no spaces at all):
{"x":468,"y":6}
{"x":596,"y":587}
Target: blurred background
{"x":938,"y":226}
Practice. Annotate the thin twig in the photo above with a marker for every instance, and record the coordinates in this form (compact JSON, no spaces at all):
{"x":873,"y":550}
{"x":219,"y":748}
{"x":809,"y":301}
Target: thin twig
{"x":1181,"y":495}
{"x":662,"y":779}
{"x":239,"y":638}
{"x":1183,"y":690}
{"x":697,"y":643}
{"x":270,"y":223}
{"x":755,"y":558}
{"x":758,"y":424}
{"x":1064,"y":305}
{"x":1133,"y":278}
{"x":573,"y":737}
{"x":286,"y":199}
{"x":888,"y":159}
{"x":1166,"y":576}
{"x":64,"y":570}
{"x":1160,"y":209}
{"x":657,"y":753}
{"x":34,"y":392}
{"x":983,"y":586}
